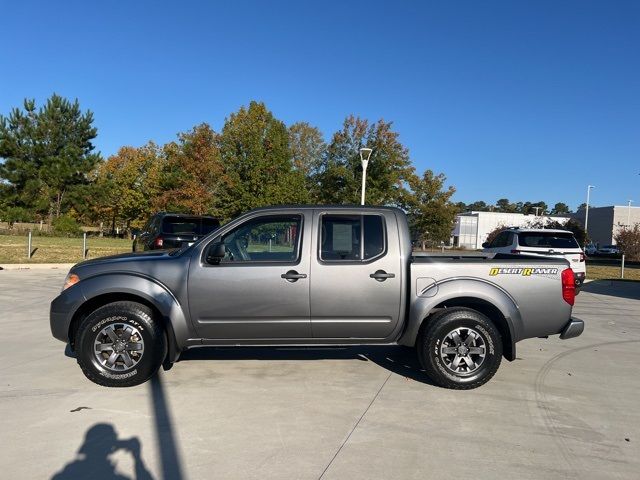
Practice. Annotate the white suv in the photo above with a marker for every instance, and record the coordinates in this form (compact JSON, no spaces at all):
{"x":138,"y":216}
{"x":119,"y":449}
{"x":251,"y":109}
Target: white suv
{"x":547,"y":243}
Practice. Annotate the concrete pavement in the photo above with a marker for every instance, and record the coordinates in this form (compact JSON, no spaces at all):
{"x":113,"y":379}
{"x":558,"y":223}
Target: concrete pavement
{"x":564,"y":409}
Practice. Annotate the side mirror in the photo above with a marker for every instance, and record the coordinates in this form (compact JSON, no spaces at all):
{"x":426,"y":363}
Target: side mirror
{"x":216,"y":253}
{"x":485,"y":245}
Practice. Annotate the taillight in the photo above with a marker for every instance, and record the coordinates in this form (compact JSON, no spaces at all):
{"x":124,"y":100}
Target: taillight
{"x":582,"y":257}
{"x":158,"y":242}
{"x":515,"y":251}
{"x":568,"y":286}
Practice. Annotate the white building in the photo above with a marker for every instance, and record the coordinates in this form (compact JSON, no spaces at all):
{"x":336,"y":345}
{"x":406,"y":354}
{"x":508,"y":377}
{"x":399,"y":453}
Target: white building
{"x":471,"y":228}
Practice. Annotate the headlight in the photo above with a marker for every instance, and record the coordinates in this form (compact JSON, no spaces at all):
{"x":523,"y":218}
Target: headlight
{"x":71,"y":280}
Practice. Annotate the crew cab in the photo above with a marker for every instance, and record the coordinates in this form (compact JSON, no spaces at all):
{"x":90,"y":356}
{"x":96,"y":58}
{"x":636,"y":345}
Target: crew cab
{"x":311,"y":275}
{"x":545,"y":242}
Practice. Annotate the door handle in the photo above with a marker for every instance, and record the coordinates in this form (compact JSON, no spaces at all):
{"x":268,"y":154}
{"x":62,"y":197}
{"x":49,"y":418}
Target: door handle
{"x":381,"y":275}
{"x":293,"y":276}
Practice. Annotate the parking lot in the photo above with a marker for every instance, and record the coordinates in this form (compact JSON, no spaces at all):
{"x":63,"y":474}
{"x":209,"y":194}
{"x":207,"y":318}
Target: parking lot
{"x":563,"y":409}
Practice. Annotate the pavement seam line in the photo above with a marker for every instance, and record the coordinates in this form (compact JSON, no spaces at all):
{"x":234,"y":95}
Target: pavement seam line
{"x":355,"y":426}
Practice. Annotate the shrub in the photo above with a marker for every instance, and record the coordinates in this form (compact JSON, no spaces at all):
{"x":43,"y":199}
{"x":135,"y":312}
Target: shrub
{"x":628,"y":241}
{"x":15,"y":214}
{"x":66,"y":226}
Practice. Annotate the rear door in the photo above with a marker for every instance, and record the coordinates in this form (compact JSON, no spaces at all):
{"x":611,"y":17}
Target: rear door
{"x":355,"y":275}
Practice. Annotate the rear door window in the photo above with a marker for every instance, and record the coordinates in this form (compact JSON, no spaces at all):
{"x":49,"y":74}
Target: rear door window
{"x":547,"y":240}
{"x":351,"y":237}
{"x":502,"y":240}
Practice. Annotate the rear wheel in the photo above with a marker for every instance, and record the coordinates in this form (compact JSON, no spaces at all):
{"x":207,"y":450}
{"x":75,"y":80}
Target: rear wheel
{"x":120,"y":345}
{"x":460,"y":348}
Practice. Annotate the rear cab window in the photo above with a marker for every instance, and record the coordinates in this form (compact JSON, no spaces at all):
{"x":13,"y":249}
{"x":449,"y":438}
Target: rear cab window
{"x":557,"y":240}
{"x":352,"y":238}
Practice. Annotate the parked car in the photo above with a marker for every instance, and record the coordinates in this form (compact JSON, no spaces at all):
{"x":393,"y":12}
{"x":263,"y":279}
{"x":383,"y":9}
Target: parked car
{"x":311,"y":276}
{"x":541,"y":242}
{"x":591,"y":249}
{"x":173,"y":230}
{"x":609,"y":250}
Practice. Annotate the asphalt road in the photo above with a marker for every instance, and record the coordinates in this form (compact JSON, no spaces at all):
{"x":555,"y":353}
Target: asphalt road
{"x":564,"y":409}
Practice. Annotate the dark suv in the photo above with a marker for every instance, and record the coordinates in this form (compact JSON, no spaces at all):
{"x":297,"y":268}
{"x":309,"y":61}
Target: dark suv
{"x":173,"y":230}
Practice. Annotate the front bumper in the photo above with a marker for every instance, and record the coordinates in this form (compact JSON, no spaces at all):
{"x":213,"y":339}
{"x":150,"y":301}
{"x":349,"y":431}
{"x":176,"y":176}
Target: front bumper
{"x":62,"y":310}
{"x":574,"y":328}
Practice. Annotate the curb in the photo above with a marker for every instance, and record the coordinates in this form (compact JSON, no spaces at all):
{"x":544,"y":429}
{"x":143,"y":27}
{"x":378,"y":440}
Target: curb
{"x":36,"y":266}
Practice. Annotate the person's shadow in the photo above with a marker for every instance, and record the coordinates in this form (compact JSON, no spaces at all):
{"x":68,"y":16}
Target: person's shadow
{"x":93,"y":461}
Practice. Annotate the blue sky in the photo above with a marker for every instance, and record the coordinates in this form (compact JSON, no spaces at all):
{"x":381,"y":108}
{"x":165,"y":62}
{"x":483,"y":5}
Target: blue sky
{"x":529,"y":100}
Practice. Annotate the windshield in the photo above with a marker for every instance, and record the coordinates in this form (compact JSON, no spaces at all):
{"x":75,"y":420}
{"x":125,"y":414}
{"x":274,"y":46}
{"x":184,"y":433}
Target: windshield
{"x":189,"y":225}
{"x":547,"y":240}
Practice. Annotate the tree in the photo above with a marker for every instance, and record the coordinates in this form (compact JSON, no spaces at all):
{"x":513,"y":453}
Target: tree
{"x":256,"y":155}
{"x":307,"y":150}
{"x":339,"y":176}
{"x":307,"y":147}
{"x":125,"y":185}
{"x":461,"y":207}
{"x":431,"y":212}
{"x":12,"y":215}
{"x":582,"y":206}
{"x":192,"y":178}
{"x":503,"y":205}
{"x":48,"y":153}
{"x":539,"y":208}
{"x":478,"y":206}
{"x":628,"y":241}
{"x":560,"y":209}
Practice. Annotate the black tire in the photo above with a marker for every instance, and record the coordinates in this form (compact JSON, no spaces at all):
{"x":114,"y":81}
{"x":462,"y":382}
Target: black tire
{"x":122,"y":319}
{"x":441,"y":367}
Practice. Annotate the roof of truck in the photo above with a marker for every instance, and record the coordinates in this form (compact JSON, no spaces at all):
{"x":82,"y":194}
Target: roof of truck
{"x":327,"y":207}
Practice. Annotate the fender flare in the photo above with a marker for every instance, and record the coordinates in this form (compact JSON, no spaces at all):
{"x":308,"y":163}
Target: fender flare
{"x":464,"y":290}
{"x":131,"y":285}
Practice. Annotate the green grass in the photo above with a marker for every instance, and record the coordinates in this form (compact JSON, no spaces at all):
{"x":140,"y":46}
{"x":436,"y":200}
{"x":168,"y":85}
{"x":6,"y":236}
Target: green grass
{"x":13,"y":249}
{"x":603,"y":272}
{"x":260,"y":248}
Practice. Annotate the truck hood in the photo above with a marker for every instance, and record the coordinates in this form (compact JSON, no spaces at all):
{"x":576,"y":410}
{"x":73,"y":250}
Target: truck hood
{"x":151,"y":255}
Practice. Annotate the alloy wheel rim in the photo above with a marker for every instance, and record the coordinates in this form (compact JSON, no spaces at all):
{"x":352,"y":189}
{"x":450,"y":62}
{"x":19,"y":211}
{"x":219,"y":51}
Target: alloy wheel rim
{"x":463,"y":351}
{"x":118,"y":347}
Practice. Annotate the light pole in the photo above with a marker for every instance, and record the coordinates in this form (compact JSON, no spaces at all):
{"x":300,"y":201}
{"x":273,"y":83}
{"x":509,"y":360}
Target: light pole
{"x":629,"y":214}
{"x":365,"y":154}
{"x":586,"y":215}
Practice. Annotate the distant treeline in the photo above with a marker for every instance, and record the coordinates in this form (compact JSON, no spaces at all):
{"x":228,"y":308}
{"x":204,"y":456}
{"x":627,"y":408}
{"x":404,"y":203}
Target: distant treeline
{"x":505,"y":206}
{"x":51,"y":172}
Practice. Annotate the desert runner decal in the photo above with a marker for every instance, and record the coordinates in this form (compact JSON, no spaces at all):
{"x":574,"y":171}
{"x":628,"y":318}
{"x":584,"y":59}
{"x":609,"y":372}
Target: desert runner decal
{"x":525,"y":272}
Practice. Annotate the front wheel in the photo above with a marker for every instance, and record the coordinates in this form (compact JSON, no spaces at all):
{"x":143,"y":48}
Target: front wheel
{"x":120,"y":345}
{"x":460,"y":348}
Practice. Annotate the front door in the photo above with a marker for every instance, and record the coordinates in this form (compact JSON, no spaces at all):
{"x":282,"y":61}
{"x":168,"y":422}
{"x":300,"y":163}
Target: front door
{"x":356,"y":287}
{"x":260,"y":289}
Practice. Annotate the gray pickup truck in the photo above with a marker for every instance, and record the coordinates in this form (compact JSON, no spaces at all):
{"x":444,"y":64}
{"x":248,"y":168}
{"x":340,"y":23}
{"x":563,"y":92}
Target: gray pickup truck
{"x":310,"y":275}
